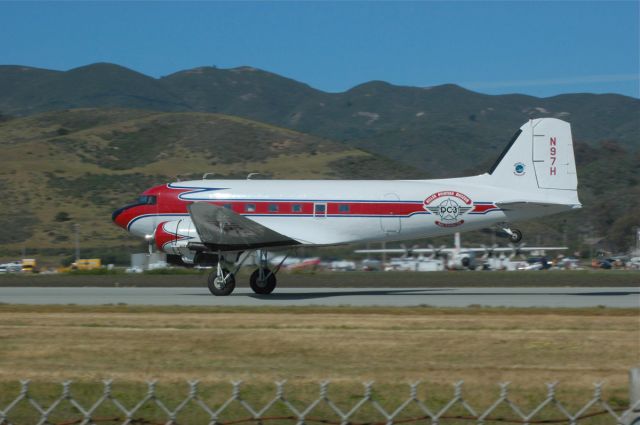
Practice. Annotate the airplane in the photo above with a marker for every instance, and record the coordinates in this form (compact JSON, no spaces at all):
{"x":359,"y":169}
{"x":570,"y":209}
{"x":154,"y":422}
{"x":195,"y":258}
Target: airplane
{"x":459,"y":257}
{"x":214,"y":221}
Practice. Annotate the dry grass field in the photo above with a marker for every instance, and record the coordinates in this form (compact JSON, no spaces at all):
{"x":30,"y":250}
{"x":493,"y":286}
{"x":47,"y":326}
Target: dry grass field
{"x":527,"y":347}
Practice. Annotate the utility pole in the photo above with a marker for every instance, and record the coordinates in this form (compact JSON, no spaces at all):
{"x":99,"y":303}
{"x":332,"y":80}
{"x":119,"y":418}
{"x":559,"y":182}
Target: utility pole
{"x":76,"y":228}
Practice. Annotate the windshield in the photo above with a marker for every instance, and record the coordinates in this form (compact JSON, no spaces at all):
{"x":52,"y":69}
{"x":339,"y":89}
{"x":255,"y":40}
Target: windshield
{"x":146,"y":200}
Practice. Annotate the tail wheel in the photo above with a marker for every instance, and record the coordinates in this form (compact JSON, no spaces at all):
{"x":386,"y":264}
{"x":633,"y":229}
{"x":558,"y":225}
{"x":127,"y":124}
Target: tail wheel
{"x":220,"y":286}
{"x":263,"y":283}
{"x":516,"y":235}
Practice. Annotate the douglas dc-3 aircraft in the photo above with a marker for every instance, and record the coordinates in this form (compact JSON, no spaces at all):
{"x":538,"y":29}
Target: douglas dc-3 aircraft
{"x":212,"y":222}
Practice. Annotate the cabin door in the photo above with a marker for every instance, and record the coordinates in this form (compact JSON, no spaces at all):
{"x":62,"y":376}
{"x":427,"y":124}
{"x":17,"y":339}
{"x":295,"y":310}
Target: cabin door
{"x":389,"y":220}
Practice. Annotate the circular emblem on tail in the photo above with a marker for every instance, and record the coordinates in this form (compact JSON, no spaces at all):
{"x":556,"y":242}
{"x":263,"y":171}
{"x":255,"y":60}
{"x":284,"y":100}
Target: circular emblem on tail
{"x":449,"y":206}
{"x":519,"y":169}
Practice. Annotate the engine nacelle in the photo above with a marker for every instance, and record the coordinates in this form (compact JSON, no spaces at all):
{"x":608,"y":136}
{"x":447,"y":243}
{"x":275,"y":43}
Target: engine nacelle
{"x":172,"y":237}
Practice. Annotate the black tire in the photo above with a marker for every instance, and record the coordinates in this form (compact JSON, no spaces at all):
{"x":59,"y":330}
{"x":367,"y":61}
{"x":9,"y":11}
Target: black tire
{"x":221,"y":289}
{"x":267,"y":286}
{"x":516,"y":235}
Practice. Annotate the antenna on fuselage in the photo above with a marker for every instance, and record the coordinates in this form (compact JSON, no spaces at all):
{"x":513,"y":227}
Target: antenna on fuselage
{"x":204,"y":176}
{"x":252,"y":174}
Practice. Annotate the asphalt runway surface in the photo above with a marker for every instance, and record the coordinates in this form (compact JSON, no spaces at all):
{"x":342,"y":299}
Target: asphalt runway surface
{"x":615,"y":297}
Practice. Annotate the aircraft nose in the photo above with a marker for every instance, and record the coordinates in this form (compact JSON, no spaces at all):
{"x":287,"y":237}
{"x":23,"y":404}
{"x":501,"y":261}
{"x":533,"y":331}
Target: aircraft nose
{"x":117,"y":213}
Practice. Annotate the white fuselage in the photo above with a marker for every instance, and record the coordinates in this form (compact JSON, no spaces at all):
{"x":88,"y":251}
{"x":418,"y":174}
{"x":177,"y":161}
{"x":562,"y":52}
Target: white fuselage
{"x":332,"y":212}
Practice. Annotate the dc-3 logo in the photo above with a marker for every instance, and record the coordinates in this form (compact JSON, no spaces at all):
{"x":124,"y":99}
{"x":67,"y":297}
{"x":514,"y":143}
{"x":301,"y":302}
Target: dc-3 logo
{"x":449,"y":205}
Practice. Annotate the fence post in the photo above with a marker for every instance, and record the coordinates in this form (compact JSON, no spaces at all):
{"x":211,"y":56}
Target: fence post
{"x":634,"y":396}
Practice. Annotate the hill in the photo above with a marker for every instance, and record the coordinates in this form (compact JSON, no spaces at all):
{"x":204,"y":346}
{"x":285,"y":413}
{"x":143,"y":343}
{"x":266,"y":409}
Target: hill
{"x":443,"y":130}
{"x":59,"y":168}
{"x":180,"y":123}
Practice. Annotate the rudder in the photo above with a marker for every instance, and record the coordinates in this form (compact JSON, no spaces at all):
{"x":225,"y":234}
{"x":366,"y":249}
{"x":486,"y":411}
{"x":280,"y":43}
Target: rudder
{"x":553,"y":157}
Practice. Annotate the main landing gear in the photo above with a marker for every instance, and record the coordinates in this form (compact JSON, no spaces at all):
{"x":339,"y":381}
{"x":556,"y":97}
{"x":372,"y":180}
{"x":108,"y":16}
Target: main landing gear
{"x":263,"y":281}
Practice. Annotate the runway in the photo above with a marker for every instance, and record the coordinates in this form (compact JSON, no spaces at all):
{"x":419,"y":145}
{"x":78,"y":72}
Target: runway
{"x":614,"y":297}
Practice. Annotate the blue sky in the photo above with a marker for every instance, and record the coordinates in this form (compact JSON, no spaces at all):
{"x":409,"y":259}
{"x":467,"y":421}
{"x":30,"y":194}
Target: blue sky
{"x":537,"y":48}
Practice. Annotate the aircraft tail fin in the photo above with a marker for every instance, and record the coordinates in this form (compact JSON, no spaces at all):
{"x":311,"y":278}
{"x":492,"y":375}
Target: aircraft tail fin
{"x":538,"y":157}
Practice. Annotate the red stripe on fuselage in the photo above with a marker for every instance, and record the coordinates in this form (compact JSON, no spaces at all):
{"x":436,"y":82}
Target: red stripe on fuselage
{"x":281,"y":208}
{"x":168,"y":203}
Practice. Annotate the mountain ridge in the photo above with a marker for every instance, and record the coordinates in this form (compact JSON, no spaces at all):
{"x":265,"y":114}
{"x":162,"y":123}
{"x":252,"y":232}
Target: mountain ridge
{"x":428,"y":128}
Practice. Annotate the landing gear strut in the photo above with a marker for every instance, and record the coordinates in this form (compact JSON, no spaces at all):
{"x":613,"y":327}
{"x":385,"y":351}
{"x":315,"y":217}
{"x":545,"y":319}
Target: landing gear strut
{"x":221,"y":282}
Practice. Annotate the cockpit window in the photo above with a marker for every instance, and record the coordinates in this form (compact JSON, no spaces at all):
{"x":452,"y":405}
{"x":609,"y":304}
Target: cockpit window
{"x":146,"y":200}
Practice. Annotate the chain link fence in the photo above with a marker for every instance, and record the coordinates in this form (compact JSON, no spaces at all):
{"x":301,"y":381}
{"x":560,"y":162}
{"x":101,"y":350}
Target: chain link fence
{"x":281,"y":408}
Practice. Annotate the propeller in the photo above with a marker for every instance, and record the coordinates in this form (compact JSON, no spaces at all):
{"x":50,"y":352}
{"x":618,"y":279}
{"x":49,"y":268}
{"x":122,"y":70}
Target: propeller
{"x":150,"y":241}
{"x":516,"y":250}
{"x":488,"y":251}
{"x":436,"y":252}
{"x":408,"y":252}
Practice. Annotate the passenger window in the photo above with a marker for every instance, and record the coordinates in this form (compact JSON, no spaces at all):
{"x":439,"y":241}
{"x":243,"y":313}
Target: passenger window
{"x":320,"y":210}
{"x":296,"y":208}
{"x":250,"y":208}
{"x":228,"y":206}
{"x":273,"y":208}
{"x":343,"y":208}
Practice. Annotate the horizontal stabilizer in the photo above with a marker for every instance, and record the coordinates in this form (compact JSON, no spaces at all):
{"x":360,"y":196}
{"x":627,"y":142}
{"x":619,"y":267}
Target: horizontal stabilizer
{"x":518,"y":205}
{"x":462,"y":249}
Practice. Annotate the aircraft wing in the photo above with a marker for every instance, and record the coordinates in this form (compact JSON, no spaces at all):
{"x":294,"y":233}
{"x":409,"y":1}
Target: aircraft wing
{"x":403,"y":251}
{"x":220,"y":228}
{"x":515,"y":248}
{"x":530,"y":248}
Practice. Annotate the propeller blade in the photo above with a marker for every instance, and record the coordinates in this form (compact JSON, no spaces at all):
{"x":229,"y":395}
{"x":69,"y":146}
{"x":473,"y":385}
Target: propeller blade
{"x":150,"y":241}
